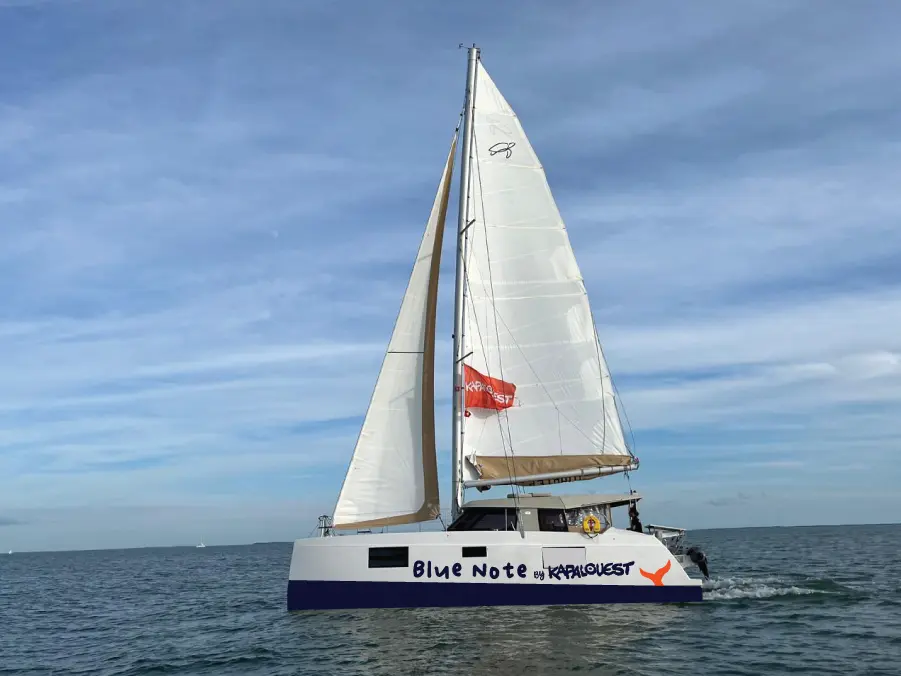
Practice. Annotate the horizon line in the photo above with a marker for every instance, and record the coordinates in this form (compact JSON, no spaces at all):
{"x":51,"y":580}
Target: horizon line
{"x":288,"y":542}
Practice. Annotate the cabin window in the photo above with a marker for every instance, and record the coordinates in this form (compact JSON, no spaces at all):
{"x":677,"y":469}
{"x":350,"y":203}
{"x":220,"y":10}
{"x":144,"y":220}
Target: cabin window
{"x":389,"y":557}
{"x":552,"y":520}
{"x":486,"y":519}
{"x":474,"y":552}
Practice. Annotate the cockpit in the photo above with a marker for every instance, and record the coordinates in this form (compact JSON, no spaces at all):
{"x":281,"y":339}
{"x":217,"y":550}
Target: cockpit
{"x":541,"y":512}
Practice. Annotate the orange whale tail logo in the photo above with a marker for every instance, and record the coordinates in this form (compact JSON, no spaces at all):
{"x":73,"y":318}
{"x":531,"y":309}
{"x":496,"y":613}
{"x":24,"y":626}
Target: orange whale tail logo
{"x":657,"y":577}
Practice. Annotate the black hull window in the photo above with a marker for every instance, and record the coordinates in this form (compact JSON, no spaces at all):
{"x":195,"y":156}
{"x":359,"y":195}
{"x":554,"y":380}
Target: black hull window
{"x":389,"y":557}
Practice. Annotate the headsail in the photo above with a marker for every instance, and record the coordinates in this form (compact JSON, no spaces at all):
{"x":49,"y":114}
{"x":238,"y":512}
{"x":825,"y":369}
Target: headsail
{"x":393,"y":476}
{"x":527,"y":320}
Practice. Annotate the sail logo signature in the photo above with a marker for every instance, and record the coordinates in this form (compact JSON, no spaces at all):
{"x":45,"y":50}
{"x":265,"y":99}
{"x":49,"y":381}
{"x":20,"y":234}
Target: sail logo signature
{"x":505,"y":147}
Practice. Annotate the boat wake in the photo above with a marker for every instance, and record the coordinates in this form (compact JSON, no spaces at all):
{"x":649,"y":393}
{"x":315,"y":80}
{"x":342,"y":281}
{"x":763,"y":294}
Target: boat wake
{"x":733,"y":588}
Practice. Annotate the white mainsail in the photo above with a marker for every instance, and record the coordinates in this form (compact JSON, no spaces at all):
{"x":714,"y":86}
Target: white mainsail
{"x":527,"y":318}
{"x":393,"y":476}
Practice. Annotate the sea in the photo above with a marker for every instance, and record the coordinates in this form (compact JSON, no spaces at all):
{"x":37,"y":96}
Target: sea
{"x":818,"y":600}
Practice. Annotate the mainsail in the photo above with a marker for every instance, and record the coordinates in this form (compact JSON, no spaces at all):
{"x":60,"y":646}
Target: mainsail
{"x":393,"y":476}
{"x":527,"y":320}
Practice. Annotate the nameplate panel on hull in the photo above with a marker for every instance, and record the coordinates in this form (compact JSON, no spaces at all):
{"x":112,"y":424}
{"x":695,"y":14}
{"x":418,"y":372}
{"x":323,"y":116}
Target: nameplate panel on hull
{"x":627,"y":561}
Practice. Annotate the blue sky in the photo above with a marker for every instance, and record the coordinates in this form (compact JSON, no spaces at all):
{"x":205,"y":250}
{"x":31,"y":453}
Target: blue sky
{"x":209,"y":210}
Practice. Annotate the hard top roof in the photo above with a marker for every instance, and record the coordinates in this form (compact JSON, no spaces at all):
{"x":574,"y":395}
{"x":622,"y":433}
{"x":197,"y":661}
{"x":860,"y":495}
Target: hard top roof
{"x":548,"y":501}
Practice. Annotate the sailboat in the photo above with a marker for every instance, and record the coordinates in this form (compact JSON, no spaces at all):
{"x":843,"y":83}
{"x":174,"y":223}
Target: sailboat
{"x":533,"y":405}
{"x":201,"y":544}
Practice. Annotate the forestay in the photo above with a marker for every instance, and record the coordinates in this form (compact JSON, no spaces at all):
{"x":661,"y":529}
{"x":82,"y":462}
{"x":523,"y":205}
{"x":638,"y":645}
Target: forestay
{"x":528,"y":320}
{"x":393,"y":476}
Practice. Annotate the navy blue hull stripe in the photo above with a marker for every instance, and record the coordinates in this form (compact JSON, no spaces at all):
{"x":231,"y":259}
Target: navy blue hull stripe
{"x":313,"y":595}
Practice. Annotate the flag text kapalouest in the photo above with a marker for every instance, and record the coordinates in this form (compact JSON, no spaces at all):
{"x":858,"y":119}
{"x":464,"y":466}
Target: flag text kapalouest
{"x":485,"y":392}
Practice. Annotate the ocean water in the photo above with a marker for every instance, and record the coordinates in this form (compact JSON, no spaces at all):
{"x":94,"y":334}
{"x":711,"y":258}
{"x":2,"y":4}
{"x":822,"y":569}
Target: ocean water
{"x":824,"y":600}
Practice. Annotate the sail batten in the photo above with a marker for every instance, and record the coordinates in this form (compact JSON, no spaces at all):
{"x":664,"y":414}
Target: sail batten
{"x":393,"y":475}
{"x":528,"y":321}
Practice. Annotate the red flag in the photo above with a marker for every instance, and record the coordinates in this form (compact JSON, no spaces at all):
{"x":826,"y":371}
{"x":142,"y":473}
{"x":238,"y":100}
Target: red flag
{"x":485,"y":392}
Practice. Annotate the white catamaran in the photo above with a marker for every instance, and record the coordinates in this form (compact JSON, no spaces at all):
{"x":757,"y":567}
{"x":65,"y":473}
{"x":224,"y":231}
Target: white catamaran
{"x":533,"y":404}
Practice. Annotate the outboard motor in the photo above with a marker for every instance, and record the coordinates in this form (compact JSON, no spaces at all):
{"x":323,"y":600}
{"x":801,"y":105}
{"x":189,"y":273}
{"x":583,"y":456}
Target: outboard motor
{"x":699,"y":558}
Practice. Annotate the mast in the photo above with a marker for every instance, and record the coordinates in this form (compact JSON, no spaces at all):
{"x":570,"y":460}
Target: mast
{"x":460,"y":288}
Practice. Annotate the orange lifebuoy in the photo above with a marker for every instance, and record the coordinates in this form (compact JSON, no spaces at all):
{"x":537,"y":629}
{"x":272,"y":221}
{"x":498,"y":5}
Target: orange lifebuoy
{"x":591,"y":524}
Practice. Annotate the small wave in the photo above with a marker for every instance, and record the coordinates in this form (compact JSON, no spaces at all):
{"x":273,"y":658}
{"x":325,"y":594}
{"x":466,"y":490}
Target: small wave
{"x":732,"y":588}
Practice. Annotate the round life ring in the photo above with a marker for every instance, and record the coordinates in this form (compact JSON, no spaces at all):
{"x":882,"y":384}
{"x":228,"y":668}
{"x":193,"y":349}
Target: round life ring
{"x":591,"y":524}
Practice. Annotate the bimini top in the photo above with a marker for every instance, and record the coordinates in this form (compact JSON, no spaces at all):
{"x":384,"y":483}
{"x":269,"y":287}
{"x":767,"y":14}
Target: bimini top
{"x":548,"y":501}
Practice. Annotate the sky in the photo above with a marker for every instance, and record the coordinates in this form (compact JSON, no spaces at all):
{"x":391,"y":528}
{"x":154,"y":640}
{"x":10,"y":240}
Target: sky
{"x":209,"y":211}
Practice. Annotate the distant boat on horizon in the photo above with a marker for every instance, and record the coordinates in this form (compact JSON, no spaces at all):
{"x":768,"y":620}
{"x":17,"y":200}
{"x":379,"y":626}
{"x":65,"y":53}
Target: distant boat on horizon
{"x":201,"y":544}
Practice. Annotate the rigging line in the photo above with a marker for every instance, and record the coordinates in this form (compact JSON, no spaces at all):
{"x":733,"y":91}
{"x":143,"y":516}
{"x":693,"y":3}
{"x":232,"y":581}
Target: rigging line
{"x":633,"y":446}
{"x":511,"y":468}
{"x":518,"y":347}
{"x":550,"y":398}
{"x":615,"y":392}
{"x":482,"y":344}
{"x":507,"y":457}
{"x":498,"y":317}
{"x":481,"y":338}
{"x":628,"y":481}
{"x":603,"y":359}
{"x":461,"y":396}
{"x":478,"y":326}
{"x":458,"y":470}
{"x":559,"y":433}
{"x":601,"y":363}
{"x":554,"y":403}
{"x":466,"y":288}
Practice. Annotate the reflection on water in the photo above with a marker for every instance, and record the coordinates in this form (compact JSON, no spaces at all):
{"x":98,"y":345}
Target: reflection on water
{"x":486,"y":640}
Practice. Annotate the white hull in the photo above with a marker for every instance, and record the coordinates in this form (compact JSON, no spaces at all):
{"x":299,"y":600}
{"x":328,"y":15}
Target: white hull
{"x":495,"y":568}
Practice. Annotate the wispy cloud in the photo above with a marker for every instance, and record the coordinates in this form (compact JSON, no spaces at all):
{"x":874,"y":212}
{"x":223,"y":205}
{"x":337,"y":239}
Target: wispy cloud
{"x":737,"y":499}
{"x":208,"y":212}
